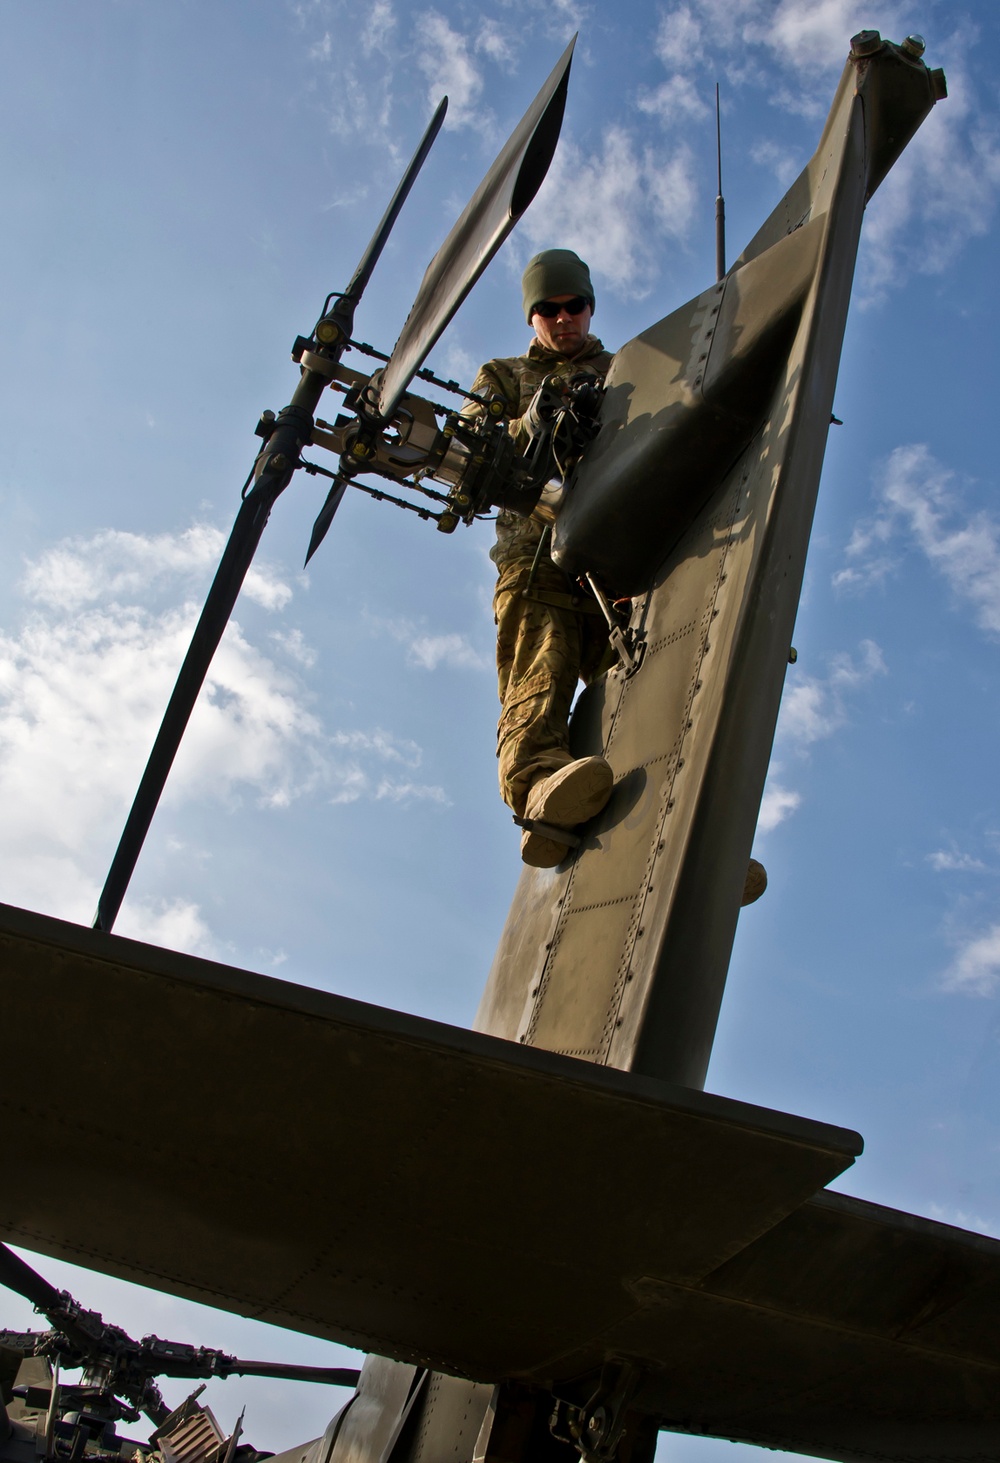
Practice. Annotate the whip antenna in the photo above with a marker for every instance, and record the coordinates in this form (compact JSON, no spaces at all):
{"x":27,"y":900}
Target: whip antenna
{"x":720,"y":202}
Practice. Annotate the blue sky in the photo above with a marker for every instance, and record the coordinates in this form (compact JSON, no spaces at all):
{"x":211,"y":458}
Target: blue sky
{"x":184,"y":184}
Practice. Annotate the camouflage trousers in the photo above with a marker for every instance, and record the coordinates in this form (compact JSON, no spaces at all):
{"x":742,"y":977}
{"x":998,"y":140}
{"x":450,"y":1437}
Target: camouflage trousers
{"x":542,"y":652}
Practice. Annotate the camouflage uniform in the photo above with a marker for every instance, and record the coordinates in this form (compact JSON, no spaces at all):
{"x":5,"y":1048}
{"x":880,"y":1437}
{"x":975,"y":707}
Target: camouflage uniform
{"x":542,"y":650}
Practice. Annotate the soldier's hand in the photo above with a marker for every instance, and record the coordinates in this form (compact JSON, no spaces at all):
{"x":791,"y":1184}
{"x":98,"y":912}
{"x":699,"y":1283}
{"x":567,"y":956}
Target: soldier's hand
{"x":543,"y":406}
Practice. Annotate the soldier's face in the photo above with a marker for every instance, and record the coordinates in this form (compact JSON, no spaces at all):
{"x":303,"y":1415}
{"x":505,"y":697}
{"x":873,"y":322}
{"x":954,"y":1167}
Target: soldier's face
{"x":564,"y":332}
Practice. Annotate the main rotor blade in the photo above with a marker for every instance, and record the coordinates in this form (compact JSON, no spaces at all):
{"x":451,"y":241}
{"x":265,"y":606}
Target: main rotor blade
{"x":370,"y":257}
{"x":494,"y":209}
{"x":18,"y":1276}
{"x":333,"y":1376}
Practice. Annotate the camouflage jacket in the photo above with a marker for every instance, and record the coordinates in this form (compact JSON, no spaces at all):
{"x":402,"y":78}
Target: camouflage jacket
{"x":515,"y":380}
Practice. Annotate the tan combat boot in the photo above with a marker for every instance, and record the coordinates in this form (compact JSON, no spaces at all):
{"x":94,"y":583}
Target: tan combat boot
{"x":565,"y":798}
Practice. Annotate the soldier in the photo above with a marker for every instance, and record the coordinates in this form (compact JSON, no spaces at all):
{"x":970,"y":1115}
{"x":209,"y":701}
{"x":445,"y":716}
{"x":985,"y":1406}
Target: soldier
{"x":555,"y":638}
{"x":545,"y":645}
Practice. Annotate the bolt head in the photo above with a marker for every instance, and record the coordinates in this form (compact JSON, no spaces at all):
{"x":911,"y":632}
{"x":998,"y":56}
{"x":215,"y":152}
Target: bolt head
{"x":865,"y":43}
{"x":914,"y":46}
{"x":596,"y":1422}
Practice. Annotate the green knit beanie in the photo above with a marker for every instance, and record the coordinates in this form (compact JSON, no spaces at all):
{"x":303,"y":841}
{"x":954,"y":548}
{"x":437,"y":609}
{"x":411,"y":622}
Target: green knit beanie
{"x":555,"y":272}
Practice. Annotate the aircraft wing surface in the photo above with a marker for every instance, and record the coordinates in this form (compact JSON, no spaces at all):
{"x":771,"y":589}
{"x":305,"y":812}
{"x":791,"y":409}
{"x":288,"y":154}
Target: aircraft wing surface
{"x":358,"y":1173}
{"x":449,"y":1198}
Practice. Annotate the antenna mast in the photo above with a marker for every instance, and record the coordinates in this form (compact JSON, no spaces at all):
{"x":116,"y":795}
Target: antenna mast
{"x":720,"y":202}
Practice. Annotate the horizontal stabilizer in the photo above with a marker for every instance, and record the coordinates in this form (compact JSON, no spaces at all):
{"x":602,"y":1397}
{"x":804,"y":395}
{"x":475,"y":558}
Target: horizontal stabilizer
{"x":488,"y":1209}
{"x":357,"y":1173}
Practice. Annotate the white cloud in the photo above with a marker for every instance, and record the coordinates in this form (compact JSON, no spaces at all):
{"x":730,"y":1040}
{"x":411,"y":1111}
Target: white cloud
{"x":777,"y":804}
{"x":812,"y":709}
{"x":175,"y":924}
{"x":951,"y":860}
{"x":378,"y":28}
{"x":353,"y":780}
{"x":814,"y":35}
{"x":83,"y":684}
{"x":491,"y":40}
{"x":920,"y":503}
{"x":963,"y":1219}
{"x":293,"y":643}
{"x":405,"y":792}
{"x":81,"y":695}
{"x":382,"y":744}
{"x":618,"y":208}
{"x":975,"y":971}
{"x":112,"y":564}
{"x":444,"y":57}
{"x":673,"y":100}
{"x":430,"y":651}
{"x":679,"y":37}
{"x":781,"y":161}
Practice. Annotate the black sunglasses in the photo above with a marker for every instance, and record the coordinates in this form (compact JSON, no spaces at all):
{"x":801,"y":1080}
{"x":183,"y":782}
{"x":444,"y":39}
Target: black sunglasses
{"x":548,"y":309}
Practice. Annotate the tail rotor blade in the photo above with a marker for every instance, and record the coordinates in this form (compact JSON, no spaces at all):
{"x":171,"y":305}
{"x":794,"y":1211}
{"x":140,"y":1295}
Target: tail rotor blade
{"x":370,"y":257}
{"x":236,"y":559}
{"x":324,"y":518}
{"x":494,"y":209}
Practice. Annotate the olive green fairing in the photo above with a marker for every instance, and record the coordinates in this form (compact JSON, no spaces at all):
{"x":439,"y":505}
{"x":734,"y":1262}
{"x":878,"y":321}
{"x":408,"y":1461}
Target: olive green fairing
{"x":684,"y":399}
{"x":620,"y":956}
